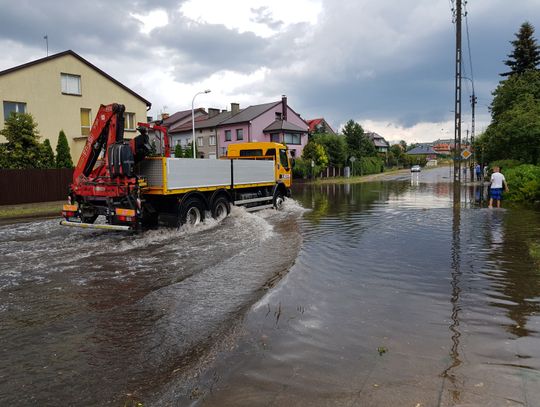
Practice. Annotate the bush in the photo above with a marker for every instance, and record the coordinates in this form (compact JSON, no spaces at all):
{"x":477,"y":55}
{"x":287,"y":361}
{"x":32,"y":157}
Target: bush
{"x":505,"y":164}
{"x":369,"y":165}
{"x":301,"y":168}
{"x":524,"y":183}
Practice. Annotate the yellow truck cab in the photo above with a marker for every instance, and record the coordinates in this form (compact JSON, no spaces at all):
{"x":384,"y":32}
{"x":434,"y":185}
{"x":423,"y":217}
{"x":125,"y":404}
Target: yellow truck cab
{"x":264,"y":150}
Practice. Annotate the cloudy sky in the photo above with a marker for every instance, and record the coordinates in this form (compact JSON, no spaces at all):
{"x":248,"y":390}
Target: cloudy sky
{"x":387,"y":64}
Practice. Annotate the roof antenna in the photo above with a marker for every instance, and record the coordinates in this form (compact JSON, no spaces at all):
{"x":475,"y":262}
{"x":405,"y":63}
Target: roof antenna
{"x":46,"y":38}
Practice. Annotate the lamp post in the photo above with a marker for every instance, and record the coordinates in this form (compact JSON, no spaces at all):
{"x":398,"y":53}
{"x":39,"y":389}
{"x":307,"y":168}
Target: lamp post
{"x":193,"y":118}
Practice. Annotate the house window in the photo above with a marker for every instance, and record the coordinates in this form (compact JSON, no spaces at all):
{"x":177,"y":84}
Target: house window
{"x":85,"y":122}
{"x":228,"y":135}
{"x":129,"y":121}
{"x":223,"y":151}
{"x":71,"y":84}
{"x":278,"y":116}
{"x":212,"y":141}
{"x":274,"y":137}
{"x":200,"y":142}
{"x":292,"y":138}
{"x":13,"y":107}
{"x":239,"y":134}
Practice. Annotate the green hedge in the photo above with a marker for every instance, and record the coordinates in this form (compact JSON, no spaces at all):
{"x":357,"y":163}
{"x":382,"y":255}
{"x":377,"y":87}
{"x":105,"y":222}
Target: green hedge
{"x":523,"y":182}
{"x":505,"y":164}
{"x":369,"y":165}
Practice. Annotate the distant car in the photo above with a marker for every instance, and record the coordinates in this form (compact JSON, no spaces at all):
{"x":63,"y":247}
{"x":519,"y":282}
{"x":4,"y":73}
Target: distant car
{"x":416,"y":168}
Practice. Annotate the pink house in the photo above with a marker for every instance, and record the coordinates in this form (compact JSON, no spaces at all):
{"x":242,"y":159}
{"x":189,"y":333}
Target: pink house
{"x":274,"y":121}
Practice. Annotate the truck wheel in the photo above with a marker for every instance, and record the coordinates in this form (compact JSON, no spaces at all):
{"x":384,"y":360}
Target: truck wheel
{"x":191,"y":212}
{"x":221,"y":208}
{"x":279,"y":200}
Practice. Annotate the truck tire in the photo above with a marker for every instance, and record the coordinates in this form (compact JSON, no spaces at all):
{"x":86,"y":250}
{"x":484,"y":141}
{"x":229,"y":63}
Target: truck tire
{"x":191,"y":212}
{"x":279,"y":200}
{"x":221,"y":208}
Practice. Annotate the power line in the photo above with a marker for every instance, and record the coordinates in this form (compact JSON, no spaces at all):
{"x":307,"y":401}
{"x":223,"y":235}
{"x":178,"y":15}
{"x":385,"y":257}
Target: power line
{"x":469,"y":45}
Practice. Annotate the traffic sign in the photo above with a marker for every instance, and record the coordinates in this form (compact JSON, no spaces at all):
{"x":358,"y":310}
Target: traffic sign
{"x":466,"y":154}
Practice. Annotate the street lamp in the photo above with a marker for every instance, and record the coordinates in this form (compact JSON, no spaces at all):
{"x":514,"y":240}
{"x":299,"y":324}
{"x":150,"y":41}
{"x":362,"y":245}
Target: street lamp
{"x":193,"y":118}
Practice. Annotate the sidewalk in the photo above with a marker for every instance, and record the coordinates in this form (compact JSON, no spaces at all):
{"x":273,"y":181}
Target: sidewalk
{"x":359,"y":178}
{"x":30,"y":210}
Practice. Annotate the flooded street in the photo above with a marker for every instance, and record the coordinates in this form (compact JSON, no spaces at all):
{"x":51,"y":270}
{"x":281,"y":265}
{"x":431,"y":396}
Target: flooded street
{"x":395,"y":300}
{"x":375,"y":294}
{"x":95,"y":318}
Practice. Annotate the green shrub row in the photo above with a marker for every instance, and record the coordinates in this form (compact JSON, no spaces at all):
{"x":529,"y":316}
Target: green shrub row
{"x":523,"y":182}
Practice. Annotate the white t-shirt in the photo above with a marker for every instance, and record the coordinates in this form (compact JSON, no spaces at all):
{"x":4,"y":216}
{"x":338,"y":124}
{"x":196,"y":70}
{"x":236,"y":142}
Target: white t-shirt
{"x":497,"y":180}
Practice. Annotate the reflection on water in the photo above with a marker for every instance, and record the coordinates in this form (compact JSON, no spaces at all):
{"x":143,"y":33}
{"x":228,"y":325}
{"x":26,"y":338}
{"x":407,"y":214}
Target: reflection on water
{"x":451,"y":372}
{"x":445,"y":288}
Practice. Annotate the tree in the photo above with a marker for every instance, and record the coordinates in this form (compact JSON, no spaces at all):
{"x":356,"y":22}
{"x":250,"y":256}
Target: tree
{"x":188,"y":152}
{"x":516,"y":134}
{"x":357,"y":143}
{"x":526,"y":54}
{"x":47,"y":155}
{"x":63,"y":155}
{"x":335,"y":147}
{"x":314,"y":152}
{"x":397,"y":154}
{"x":178,"y":152}
{"x":22,"y":149}
{"x":510,"y":90}
{"x":403,"y":145}
{"x":353,"y":133}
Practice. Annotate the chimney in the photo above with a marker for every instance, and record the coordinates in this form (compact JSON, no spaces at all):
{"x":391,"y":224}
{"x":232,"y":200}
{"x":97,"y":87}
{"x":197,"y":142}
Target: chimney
{"x":212,"y":112}
{"x":235,"y":108}
{"x":284,"y":107}
{"x":164,"y":116}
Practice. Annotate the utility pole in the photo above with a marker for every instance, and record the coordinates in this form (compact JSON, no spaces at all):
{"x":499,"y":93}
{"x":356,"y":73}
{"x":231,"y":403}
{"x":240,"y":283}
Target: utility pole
{"x":457,"y":107}
{"x":473,"y":103}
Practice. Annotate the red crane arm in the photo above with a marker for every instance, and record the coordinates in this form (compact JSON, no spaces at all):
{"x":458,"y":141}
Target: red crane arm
{"x":108,"y":128}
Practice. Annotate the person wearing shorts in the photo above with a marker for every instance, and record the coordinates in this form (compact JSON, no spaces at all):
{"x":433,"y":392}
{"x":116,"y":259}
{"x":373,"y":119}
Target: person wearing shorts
{"x":498,"y":182}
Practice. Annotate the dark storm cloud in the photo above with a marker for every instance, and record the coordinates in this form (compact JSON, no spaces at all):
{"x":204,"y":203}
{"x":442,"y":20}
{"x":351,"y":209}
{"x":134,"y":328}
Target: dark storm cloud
{"x":198,"y":50}
{"x":394,"y":62}
{"x":387,"y":61}
{"x":96,"y":27}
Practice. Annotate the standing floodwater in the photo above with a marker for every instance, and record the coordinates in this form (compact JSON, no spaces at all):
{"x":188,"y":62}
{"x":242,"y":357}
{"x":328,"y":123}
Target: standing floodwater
{"x":90,"y":318}
{"x":396,"y":299}
{"x":393,"y":297}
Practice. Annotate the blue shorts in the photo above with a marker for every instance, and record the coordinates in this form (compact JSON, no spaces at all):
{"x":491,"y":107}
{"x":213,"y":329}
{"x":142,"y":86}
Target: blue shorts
{"x":496,"y":193}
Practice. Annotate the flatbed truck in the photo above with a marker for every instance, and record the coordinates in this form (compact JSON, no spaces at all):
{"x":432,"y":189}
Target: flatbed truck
{"x":119,"y":181}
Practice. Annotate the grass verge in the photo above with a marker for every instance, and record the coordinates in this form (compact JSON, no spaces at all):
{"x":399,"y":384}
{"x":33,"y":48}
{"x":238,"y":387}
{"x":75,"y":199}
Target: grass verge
{"x":31,"y":210}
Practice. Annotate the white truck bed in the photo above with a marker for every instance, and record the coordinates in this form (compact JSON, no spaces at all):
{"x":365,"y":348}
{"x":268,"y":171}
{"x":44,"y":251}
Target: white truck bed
{"x":184,"y":173}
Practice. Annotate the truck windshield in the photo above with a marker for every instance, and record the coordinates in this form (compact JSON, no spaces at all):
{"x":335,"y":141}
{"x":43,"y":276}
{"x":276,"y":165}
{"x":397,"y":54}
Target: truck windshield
{"x":283,"y":158}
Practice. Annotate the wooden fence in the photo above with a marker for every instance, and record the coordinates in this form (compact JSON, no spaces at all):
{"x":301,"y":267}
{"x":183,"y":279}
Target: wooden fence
{"x":33,"y":185}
